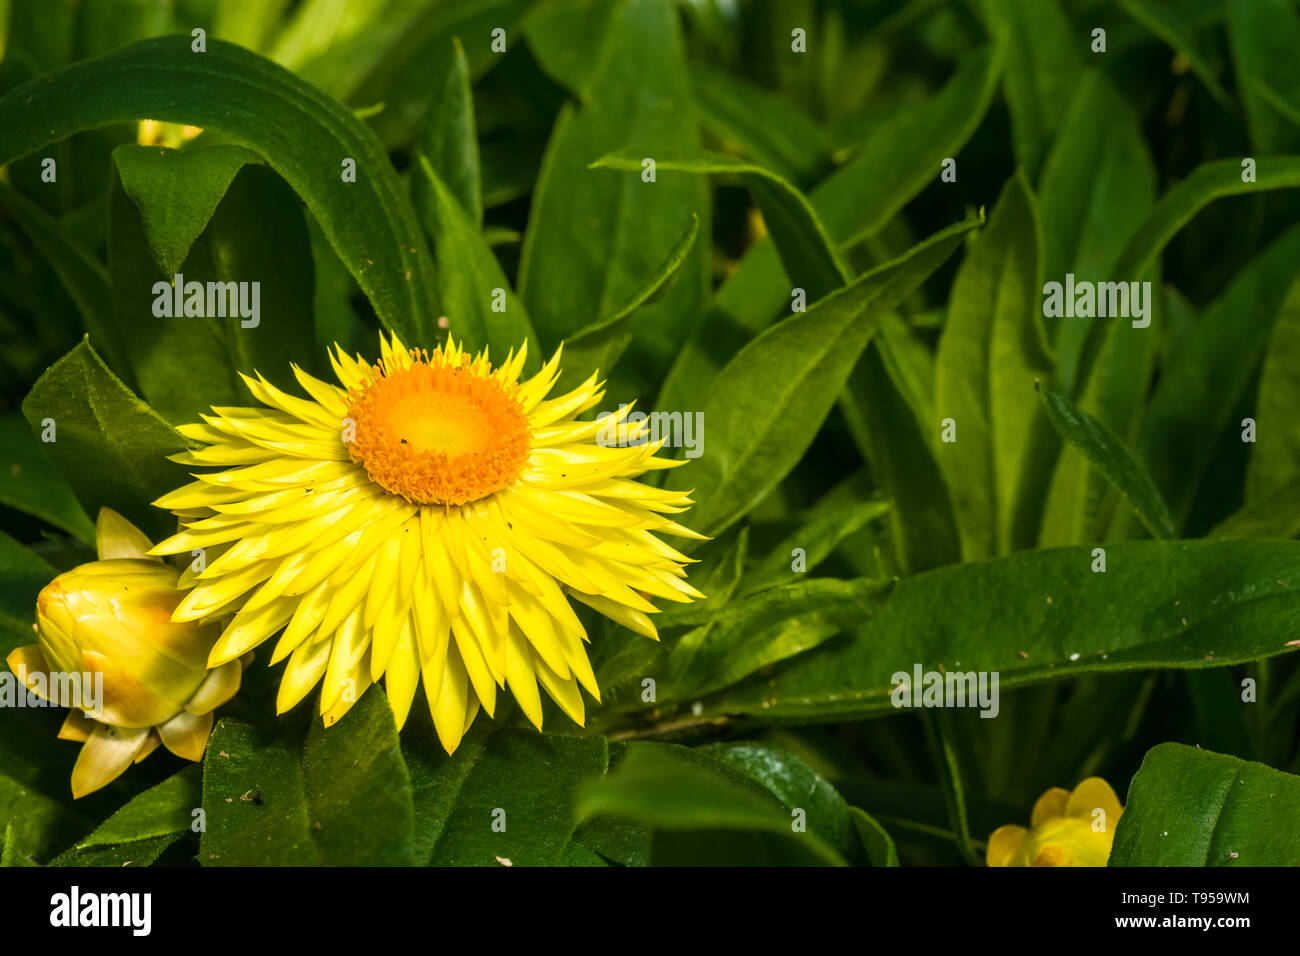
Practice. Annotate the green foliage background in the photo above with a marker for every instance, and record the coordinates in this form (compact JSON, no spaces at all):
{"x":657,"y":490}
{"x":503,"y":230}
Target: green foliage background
{"x":775,"y":170}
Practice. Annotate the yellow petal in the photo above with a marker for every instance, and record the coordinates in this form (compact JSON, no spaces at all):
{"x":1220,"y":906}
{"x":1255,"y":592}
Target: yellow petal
{"x":1005,"y":845}
{"x":115,"y":537}
{"x":1050,"y":804}
{"x":186,"y":734}
{"x":105,"y":756}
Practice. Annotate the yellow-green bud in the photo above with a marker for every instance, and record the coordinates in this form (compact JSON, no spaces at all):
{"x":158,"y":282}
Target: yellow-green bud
{"x":114,"y":618}
{"x":108,"y":647}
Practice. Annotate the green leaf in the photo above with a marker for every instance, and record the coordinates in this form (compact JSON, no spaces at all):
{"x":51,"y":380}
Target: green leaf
{"x":889,"y":409}
{"x":1039,"y":615}
{"x":148,"y":824}
{"x":469,"y":275}
{"x":345,"y":800}
{"x":754,"y":632}
{"x":1275,"y":514}
{"x":182,"y":363}
{"x":797,"y":785}
{"x":162,"y":810}
{"x":1206,"y":183}
{"x":1098,"y":184}
{"x":449,"y":140}
{"x":764,"y":127}
{"x":677,"y":791}
{"x":592,"y":237}
{"x":824,"y":527}
{"x":807,"y":253}
{"x":1263,"y":37}
{"x":1170,"y":23}
{"x":1110,"y":456}
{"x":31,"y":484}
{"x":1202,"y":383}
{"x":111,"y":447}
{"x":300,"y":132}
{"x":599,"y":345}
{"x":565,"y":36}
{"x":1041,"y":78}
{"x":392,"y":62}
{"x":177,"y":191}
{"x":991,"y":352}
{"x":1191,"y":807}
{"x":767,"y":404}
{"x":939,"y":733}
{"x":879,"y":844}
{"x":83,"y":276}
{"x":35,"y":827}
{"x":1275,"y":461}
{"x":854,"y":203}
{"x":519,"y":779}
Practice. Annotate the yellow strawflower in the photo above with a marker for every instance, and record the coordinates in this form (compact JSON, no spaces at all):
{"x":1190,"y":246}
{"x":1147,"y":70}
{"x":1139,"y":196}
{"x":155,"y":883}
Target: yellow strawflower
{"x":427,"y":521}
{"x":1067,"y":828}
{"x":107,"y":646}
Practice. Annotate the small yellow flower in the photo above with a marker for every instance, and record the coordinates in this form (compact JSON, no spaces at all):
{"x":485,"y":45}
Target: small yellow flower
{"x":1066,"y":829}
{"x":426,"y":522}
{"x":108,"y":648}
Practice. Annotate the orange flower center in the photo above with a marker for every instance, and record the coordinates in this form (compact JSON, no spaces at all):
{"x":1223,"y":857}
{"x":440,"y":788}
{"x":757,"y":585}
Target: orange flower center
{"x":437,"y":433}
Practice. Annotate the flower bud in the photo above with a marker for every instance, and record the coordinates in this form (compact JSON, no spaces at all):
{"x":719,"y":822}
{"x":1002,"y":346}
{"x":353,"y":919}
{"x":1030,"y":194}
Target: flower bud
{"x":107,"y":646}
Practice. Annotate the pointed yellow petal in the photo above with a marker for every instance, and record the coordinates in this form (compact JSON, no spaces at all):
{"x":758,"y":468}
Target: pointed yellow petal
{"x":115,"y":537}
{"x":186,"y":734}
{"x":105,"y":757}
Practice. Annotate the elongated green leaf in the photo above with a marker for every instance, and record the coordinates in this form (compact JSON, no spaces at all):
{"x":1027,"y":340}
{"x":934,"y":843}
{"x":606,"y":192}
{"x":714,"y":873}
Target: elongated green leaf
{"x":1263,"y":37}
{"x":1208,"y":182}
{"x":160,"y":811}
{"x":1110,"y":456}
{"x":889,"y":408}
{"x":679,"y":791}
{"x":345,"y":800}
{"x":1039,"y":615}
{"x":765,"y":407}
{"x":1200,"y":387}
{"x":798,"y":786}
{"x":890,"y":168}
{"x":182,"y":362}
{"x":1169,"y":22}
{"x":1191,"y":807}
{"x":1275,"y":456}
{"x":1275,"y":514}
{"x":449,"y":139}
{"x":1041,"y":77}
{"x":806,"y":251}
{"x":504,"y":798}
{"x":148,"y":824}
{"x":826,"y":525}
{"x":990,"y":355}
{"x":766,"y":128}
{"x":83,"y":276}
{"x":30,"y":483}
{"x":391,"y":63}
{"x":940,"y":735}
{"x":1098,"y":184}
{"x":599,"y":345}
{"x":880,"y":845}
{"x":565,"y":36}
{"x":109,"y":446}
{"x":593,"y":237}
{"x":471,"y":283}
{"x":177,"y":191}
{"x":301,"y":133}
{"x":755,"y":632}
